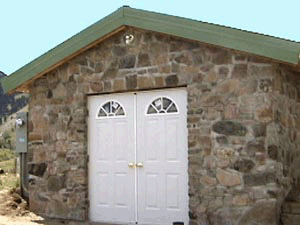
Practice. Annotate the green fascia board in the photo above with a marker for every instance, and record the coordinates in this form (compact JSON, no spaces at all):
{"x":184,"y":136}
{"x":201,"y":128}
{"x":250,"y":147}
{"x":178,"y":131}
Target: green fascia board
{"x":267,"y":46}
{"x":258,"y":44}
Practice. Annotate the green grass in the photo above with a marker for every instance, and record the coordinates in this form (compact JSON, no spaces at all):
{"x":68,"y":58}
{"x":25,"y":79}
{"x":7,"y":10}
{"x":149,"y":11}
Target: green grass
{"x":7,"y":165}
{"x":8,"y":180}
{"x":6,"y":154}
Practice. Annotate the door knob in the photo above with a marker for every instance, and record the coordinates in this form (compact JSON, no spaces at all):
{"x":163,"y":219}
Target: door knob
{"x":131,"y":165}
{"x":140,"y":165}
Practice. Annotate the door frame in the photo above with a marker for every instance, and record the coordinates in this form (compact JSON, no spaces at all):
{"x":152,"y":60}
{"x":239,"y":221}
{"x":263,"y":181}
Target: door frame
{"x":135,"y":135}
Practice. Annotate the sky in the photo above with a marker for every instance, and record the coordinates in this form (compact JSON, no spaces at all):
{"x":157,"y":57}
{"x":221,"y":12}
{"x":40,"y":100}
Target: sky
{"x":30,"y":28}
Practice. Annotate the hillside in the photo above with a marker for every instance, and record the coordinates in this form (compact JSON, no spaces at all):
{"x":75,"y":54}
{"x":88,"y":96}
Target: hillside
{"x":10,"y":104}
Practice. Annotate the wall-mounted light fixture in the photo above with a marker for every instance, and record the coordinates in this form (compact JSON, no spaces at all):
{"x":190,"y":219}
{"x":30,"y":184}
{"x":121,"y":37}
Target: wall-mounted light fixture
{"x":129,"y":39}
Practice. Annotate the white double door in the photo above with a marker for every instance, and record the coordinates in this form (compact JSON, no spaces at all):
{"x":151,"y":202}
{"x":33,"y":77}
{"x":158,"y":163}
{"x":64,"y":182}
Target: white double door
{"x":138,"y":158}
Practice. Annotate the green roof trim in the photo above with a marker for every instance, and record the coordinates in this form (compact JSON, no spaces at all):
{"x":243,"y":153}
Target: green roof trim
{"x":258,"y":44}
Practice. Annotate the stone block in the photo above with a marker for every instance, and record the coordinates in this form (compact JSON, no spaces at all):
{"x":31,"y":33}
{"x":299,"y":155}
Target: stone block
{"x":57,"y":209}
{"x":159,"y":81}
{"x":208,"y":181}
{"x":225,"y":152}
{"x":204,"y":141}
{"x":222,"y":57}
{"x":210,"y":101}
{"x":119,"y":85}
{"x":37,"y":169}
{"x":241,"y":200}
{"x":210,"y":162}
{"x":290,"y":219}
{"x":291,"y":208}
{"x":229,"y":128}
{"x":223,"y":72}
{"x":131,"y":82}
{"x":119,"y":51}
{"x":211,"y":76}
{"x":259,"y":130}
{"x":143,"y":60}
{"x":127,"y":62}
{"x":79,"y":176}
{"x":263,"y":213}
{"x":60,"y":91}
{"x":197,"y":77}
{"x":165,"y":69}
{"x":227,"y":86}
{"x":228,"y":177}
{"x":37,"y":206}
{"x":240,"y":71}
{"x":261,"y":70}
{"x":255,"y":146}
{"x":243,"y":165}
{"x":227,"y":216}
{"x":247,"y":87}
{"x":171,"y":80}
{"x":96,"y":86}
{"x":259,"y":179}
{"x":231,"y":111}
{"x":73,"y":200}
{"x":35,"y":137}
{"x":265,"y":85}
{"x":184,"y":59}
{"x":175,"y":68}
{"x":265,"y":114}
{"x":144,"y":82}
{"x":86,"y":71}
{"x":107,"y":86}
{"x":222,"y":139}
{"x":55,"y":183}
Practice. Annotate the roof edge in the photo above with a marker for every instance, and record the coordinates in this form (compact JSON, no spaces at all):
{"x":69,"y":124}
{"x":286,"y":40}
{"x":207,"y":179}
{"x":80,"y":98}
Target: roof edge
{"x":266,"y":46}
{"x":69,"y":47}
{"x":245,"y":41}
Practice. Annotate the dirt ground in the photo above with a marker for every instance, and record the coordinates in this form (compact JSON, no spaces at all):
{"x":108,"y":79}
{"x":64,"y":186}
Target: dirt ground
{"x":14,"y":211}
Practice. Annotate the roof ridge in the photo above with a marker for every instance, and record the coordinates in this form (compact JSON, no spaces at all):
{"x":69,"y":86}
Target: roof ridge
{"x":278,"y":49}
{"x":215,"y":24}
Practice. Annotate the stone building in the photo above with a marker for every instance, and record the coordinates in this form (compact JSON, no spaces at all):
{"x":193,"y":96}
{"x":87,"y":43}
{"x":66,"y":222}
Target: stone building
{"x":149,"y":118}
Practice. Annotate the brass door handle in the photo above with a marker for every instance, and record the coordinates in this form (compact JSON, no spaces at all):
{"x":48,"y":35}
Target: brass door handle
{"x":140,"y":165}
{"x":131,"y":165}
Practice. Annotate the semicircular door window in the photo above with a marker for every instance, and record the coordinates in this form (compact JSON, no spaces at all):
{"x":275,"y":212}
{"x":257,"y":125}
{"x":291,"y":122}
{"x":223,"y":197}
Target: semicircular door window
{"x":111,"y":109}
{"x":162,"y":105}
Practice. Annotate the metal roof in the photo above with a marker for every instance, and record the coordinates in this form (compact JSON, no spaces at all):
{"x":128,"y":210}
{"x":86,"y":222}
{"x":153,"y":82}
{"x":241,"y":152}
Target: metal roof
{"x":282,"y":50}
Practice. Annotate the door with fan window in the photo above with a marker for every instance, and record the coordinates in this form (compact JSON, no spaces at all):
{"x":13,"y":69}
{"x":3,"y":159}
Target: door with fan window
{"x":138,"y":157}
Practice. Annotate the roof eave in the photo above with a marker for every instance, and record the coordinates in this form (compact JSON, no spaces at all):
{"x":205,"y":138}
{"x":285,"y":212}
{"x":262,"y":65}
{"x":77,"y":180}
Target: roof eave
{"x":258,"y":44}
{"x":275,"y":48}
{"x":66,"y":50}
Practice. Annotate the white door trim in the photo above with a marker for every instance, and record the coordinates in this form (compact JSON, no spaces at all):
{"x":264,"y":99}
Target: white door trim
{"x":135,"y":145}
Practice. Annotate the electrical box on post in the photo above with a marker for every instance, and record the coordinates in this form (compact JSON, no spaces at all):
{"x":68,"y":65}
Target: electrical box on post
{"x":21,"y":132}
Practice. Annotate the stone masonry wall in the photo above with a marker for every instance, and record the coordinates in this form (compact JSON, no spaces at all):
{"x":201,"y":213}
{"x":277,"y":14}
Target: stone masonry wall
{"x":238,"y":171}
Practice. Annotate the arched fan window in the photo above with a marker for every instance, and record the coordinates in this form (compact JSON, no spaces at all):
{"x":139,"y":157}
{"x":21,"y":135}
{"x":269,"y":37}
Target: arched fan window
{"x":162,"y":105}
{"x":111,"y":109}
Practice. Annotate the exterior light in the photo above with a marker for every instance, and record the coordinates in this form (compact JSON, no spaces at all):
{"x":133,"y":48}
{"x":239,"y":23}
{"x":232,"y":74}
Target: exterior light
{"x":129,"y":39}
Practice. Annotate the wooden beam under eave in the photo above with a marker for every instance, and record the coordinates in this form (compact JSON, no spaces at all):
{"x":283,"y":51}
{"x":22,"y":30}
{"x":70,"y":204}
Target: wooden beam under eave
{"x":23,"y":88}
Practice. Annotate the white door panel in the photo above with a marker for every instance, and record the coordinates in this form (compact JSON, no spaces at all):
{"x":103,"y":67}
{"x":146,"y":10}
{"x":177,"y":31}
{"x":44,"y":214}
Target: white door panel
{"x":162,"y":148}
{"x":111,"y":182}
{"x":156,"y":193}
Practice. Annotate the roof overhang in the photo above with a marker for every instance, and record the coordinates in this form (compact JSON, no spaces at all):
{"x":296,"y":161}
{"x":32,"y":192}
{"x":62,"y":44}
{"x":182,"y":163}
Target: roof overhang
{"x":281,"y":50}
